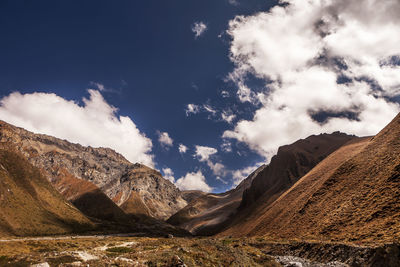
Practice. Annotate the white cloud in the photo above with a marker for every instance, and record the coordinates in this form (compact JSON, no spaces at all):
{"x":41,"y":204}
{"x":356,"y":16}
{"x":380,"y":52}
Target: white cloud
{"x":224,"y":94}
{"x":239,"y":175}
{"x":204,"y":152}
{"x":233,"y":2}
{"x":95,"y":123}
{"x":209,"y":109}
{"x":227,"y":116}
{"x":199,"y":29}
{"x":182,"y":148}
{"x":217,"y":168}
{"x":192,"y":109}
{"x":164,"y":139}
{"x":302,"y":49}
{"x":221,"y":180}
{"x":193,"y":181}
{"x":168,"y":174}
{"x":226,"y":146}
{"x":99,"y":86}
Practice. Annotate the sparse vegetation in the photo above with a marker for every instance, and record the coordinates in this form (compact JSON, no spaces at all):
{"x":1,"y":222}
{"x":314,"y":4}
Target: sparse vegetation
{"x":146,"y":251}
{"x":119,"y":250}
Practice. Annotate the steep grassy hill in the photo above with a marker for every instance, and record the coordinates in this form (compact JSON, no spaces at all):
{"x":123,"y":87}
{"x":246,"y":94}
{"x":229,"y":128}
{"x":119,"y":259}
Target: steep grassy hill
{"x":353,"y":195}
{"x":29,"y":205}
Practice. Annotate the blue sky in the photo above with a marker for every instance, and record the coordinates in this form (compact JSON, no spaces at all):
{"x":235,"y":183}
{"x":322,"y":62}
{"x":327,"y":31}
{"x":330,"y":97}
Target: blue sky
{"x":145,"y":52}
{"x":150,"y":65}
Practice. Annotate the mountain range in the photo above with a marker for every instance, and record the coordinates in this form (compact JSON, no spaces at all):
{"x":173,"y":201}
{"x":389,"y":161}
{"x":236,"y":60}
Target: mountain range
{"x":324,"y":188}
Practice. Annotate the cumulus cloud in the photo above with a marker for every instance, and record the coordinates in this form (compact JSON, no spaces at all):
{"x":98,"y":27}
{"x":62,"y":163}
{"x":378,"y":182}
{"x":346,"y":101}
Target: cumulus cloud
{"x":192,"y":109}
{"x":193,"y":181}
{"x":199,"y":28}
{"x":317,"y":57}
{"x":164,"y":139}
{"x":168,"y":174}
{"x":95,"y":123}
{"x":182,"y":148}
{"x":203,"y":153}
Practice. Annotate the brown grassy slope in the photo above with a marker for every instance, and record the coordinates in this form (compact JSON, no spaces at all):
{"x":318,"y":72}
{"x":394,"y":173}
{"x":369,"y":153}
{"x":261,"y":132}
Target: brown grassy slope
{"x":207,"y":214}
{"x":353,"y":195}
{"x":212,"y":212}
{"x":29,"y":205}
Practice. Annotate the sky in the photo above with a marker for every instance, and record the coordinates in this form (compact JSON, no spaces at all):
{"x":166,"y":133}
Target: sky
{"x":203,"y":91}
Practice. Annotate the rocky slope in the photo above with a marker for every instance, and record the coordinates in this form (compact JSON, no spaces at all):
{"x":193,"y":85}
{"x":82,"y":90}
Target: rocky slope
{"x":207,"y":213}
{"x":29,"y":205}
{"x":351,"y":196}
{"x":127,"y":184}
{"x":210,"y":213}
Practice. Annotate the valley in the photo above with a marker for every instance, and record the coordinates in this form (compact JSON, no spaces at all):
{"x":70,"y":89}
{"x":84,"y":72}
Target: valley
{"x":326,"y":200}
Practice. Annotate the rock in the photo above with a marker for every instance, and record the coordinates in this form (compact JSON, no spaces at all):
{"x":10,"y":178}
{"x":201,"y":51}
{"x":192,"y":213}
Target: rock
{"x":44,"y":264}
{"x":126,"y":183}
{"x":177,"y":262}
{"x":170,"y":236}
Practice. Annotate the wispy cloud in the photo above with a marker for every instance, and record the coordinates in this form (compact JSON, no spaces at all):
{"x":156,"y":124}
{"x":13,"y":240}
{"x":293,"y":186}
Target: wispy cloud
{"x":165,"y":140}
{"x":199,"y":28}
{"x":192,"y":109}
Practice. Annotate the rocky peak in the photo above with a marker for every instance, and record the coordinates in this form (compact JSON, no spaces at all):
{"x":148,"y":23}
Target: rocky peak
{"x":111,"y":172}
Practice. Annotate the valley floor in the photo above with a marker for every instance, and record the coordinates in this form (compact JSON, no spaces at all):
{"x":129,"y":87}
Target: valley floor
{"x":174,"y":251}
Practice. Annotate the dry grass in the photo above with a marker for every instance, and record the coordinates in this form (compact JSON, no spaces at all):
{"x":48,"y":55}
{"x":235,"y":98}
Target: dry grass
{"x":351,"y":196}
{"x":137,"y":251}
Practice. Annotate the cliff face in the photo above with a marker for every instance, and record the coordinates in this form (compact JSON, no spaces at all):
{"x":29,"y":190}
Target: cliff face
{"x":120,"y":180}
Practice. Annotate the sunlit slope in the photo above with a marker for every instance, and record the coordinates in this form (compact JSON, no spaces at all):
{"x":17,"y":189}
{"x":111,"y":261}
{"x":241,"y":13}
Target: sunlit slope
{"x":353,"y":195}
{"x":29,"y":205}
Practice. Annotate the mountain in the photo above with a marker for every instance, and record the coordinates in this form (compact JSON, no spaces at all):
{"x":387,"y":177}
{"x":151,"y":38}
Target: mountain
{"x":207,"y":213}
{"x":352,"y":195}
{"x":29,"y":205}
{"x":79,"y":172}
{"x":210,"y":213}
{"x":290,"y":163}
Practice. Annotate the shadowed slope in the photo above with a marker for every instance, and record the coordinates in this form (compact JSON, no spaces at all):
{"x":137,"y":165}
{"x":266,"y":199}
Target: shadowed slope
{"x":353,"y":195}
{"x":88,"y":198}
{"x":210,"y":213}
{"x":29,"y":205}
{"x":290,"y":164}
{"x":206,"y":215}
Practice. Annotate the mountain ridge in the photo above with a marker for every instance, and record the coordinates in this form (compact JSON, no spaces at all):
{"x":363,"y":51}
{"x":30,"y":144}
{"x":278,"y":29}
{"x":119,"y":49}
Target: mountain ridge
{"x":109,"y":171}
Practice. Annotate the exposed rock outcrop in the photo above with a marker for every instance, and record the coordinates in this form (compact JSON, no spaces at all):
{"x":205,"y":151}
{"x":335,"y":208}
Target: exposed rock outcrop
{"x":120,"y":180}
